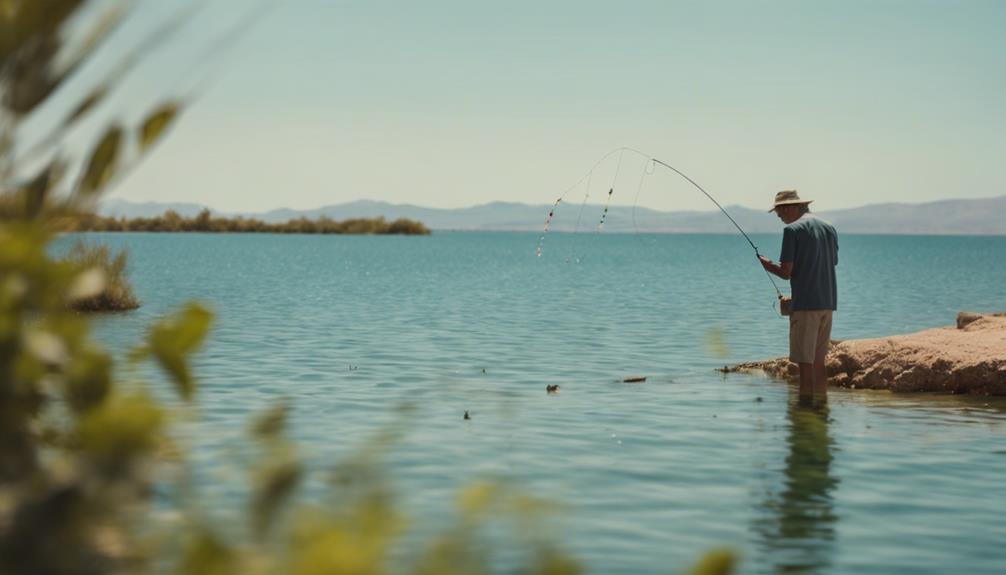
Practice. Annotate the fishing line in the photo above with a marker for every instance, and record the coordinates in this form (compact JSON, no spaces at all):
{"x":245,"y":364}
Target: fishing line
{"x":579,"y":217}
{"x":648,"y":169}
{"x":551,"y":213}
{"x":611,"y":190}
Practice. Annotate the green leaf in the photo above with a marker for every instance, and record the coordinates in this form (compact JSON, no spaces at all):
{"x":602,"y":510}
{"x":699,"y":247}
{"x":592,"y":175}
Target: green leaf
{"x":86,"y":105}
{"x":479,"y":498}
{"x":275,"y":484}
{"x":38,"y":189}
{"x":102,"y":164}
{"x":88,"y":380}
{"x":80,"y":52}
{"x":715,"y":562}
{"x":205,"y":553}
{"x":272,"y":422}
{"x":155,"y":124}
{"x":121,"y":429}
{"x":171,"y":341}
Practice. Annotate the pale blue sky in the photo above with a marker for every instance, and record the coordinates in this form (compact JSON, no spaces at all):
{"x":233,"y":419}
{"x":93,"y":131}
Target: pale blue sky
{"x":456,"y":103}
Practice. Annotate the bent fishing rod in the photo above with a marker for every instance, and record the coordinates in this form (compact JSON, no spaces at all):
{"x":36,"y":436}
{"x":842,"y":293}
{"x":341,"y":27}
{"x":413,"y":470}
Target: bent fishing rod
{"x":725,"y":213}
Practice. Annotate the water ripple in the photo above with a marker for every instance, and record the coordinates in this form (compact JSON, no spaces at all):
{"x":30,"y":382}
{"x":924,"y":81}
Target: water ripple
{"x":350,"y":328}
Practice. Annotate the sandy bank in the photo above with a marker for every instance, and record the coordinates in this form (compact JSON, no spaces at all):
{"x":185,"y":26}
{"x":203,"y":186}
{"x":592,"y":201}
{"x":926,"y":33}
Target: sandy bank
{"x":969,"y":358}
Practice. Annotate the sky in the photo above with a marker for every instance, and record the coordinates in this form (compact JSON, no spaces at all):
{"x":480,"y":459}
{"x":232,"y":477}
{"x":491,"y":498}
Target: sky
{"x":458,"y":103}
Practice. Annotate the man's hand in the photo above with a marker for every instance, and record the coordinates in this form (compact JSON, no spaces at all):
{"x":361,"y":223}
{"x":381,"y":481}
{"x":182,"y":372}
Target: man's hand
{"x":783,"y":270}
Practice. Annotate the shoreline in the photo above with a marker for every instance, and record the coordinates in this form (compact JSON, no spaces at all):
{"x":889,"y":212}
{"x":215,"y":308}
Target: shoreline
{"x":968,"y":358}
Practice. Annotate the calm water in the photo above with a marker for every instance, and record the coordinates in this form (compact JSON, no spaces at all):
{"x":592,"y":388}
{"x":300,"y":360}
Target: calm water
{"x":651,"y":474}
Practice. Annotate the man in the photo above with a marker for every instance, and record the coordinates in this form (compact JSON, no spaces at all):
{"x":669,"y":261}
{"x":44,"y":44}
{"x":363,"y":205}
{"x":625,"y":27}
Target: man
{"x":808,"y":260}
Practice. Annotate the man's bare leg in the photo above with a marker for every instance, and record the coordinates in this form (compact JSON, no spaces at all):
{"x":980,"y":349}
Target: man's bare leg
{"x":820,"y":377}
{"x":806,"y":379}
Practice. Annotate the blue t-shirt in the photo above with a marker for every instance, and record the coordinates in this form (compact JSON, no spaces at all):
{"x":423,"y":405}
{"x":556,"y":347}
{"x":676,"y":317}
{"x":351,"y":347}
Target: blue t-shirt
{"x":812,"y":245}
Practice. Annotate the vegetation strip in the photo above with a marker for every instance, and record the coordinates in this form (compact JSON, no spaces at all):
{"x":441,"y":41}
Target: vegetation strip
{"x":205,"y":222}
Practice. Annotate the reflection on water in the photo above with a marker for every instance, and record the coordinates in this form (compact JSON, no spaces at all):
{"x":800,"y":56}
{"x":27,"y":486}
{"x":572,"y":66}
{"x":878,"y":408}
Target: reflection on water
{"x":797,"y":525}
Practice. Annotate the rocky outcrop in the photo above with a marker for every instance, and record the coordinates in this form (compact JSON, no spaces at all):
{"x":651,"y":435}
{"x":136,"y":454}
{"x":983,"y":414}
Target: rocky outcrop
{"x":969,"y":359}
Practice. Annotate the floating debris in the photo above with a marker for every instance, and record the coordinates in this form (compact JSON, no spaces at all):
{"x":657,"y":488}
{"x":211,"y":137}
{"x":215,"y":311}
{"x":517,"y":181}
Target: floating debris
{"x":634,"y":379}
{"x":467,"y":416}
{"x":553,"y":388}
{"x":758,"y":399}
{"x":747,"y":367}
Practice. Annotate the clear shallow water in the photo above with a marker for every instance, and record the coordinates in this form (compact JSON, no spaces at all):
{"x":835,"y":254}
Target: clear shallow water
{"x":651,"y":474}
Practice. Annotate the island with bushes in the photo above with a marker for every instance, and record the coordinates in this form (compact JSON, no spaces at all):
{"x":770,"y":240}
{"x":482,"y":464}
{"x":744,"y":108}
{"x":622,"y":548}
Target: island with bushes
{"x":206,"y":222}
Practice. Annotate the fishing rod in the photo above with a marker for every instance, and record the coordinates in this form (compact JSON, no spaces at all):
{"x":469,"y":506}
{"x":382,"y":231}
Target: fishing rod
{"x":725,"y":213}
{"x":712,"y":199}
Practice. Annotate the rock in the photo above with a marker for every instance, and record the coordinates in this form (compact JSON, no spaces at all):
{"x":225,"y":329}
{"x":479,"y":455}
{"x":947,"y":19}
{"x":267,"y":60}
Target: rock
{"x":966,"y":317}
{"x":970,"y":358}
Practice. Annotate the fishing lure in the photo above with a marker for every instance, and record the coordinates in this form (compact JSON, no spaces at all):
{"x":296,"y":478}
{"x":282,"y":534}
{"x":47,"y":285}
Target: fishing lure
{"x":604,"y":214}
{"x":586,"y":178}
{"x":611,"y":190}
{"x":548,"y":222}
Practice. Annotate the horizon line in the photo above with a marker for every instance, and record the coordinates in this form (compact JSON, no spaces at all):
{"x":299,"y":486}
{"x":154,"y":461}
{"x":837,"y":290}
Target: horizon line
{"x":544,"y":204}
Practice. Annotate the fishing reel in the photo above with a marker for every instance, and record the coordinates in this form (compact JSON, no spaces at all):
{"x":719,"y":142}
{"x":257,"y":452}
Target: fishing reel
{"x":785,"y":305}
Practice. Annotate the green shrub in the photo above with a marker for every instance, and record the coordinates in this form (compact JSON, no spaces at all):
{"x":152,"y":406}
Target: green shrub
{"x":116,"y":293}
{"x":406,"y":226}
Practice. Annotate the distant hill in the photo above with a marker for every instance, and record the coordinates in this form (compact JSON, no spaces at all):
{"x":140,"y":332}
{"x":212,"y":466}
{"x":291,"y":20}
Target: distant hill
{"x":977,"y":217}
{"x":985,"y":216}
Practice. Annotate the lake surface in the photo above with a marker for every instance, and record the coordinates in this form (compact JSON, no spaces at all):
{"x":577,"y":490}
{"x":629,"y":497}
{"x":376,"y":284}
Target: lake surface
{"x":650,"y":475}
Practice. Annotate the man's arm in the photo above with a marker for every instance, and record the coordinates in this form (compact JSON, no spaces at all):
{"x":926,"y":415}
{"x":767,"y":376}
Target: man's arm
{"x":783,"y":269}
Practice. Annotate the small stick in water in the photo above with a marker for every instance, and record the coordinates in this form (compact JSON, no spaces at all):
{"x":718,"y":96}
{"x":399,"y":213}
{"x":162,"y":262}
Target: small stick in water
{"x":634,"y":379}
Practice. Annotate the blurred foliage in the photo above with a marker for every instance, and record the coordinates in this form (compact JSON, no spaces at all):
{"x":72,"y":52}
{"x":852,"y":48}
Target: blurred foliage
{"x":171,"y":221}
{"x":85,"y":446}
{"x":716,"y":562}
{"x":78,"y":446}
{"x":156,"y":123}
{"x":716,"y":342}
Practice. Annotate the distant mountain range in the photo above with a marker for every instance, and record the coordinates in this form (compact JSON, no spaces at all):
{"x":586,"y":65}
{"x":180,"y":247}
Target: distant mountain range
{"x":986,"y":216}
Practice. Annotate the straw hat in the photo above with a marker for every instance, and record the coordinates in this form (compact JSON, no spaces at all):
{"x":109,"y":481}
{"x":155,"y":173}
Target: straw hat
{"x":787,"y":197}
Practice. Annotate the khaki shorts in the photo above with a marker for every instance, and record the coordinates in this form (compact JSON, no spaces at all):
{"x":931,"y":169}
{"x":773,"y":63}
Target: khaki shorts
{"x":809,"y":335}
